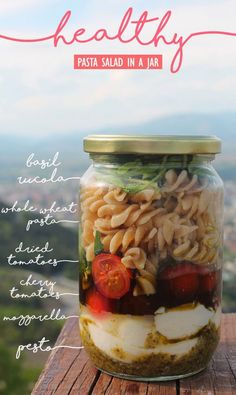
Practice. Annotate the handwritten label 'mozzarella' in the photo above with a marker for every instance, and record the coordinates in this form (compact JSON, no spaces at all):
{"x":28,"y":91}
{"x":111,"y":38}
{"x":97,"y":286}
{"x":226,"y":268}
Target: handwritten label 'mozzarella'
{"x":27,"y":319}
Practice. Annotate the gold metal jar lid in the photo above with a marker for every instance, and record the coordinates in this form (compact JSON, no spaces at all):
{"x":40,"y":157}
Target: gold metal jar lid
{"x":155,"y":144}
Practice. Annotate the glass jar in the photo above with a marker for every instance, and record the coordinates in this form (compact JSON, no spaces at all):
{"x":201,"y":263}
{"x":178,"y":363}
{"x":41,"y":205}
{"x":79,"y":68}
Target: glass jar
{"x":151,"y":255}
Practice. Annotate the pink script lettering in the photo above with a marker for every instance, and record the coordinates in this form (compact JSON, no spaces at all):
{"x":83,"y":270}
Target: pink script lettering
{"x":82,"y":37}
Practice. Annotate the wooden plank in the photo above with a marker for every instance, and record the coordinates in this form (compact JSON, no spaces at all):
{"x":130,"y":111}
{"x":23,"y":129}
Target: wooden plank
{"x":112,"y":386}
{"x":229,"y":339}
{"x":85,"y":379}
{"x":168,"y":388}
{"x":60,"y":360}
{"x":79,"y":378}
{"x":70,"y":372}
{"x":67,"y":371}
{"x":102,"y":384}
{"x":220,"y":377}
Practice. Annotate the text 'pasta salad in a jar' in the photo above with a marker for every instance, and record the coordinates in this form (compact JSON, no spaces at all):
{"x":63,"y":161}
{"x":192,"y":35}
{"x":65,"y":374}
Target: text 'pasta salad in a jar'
{"x":150,"y":252}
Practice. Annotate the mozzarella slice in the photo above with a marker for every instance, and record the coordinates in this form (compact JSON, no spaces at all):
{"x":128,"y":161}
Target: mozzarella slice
{"x":134,"y":330}
{"x":125,"y":337}
{"x":122,"y":351}
{"x":182,"y":322}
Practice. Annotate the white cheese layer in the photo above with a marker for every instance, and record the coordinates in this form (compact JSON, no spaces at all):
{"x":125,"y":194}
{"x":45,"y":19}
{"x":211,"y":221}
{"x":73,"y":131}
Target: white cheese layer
{"x":127,"y":338}
{"x":132,"y":330}
{"x":184,"y":322}
{"x":122,"y":351}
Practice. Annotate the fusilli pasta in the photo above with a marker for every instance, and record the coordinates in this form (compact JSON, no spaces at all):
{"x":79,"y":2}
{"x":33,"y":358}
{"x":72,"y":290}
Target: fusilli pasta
{"x":146,"y":227}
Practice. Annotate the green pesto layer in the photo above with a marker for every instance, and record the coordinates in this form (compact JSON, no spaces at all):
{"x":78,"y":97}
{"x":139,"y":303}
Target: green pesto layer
{"x":157,"y":365}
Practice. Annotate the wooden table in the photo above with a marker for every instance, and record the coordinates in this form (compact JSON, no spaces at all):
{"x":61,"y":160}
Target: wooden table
{"x":69,"y":371}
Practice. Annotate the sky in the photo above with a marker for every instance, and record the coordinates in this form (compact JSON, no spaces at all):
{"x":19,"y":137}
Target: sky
{"x":41,"y":94}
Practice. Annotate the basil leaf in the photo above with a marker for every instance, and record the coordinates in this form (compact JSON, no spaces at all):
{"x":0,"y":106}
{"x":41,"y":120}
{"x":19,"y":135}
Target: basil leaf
{"x":84,"y":265}
{"x":196,"y":167}
{"x":130,"y":167}
{"x":133,"y":177}
{"x":98,"y":246}
{"x":200,"y":171}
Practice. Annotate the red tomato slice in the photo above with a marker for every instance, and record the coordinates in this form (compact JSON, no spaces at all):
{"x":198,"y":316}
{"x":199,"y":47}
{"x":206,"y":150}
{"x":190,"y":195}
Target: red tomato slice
{"x":208,"y":279}
{"x":110,"y":276}
{"x":98,"y":303}
{"x":181,"y":281}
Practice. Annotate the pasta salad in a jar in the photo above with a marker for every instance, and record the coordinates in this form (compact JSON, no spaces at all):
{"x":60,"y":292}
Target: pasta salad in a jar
{"x":150,"y":252}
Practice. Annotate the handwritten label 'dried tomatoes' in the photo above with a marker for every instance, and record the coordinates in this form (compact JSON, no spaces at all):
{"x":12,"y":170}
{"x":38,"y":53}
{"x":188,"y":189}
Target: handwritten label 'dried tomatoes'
{"x":110,"y":276}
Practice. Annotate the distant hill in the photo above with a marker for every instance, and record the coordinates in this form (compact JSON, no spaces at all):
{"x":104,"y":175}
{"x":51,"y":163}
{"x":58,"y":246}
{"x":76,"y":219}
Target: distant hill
{"x":14,"y":149}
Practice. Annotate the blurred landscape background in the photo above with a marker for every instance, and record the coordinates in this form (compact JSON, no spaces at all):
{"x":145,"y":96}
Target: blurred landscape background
{"x":47,"y":107}
{"x":63,"y":239}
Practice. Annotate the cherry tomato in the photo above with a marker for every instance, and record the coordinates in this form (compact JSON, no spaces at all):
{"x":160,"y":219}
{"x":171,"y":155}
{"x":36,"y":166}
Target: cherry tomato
{"x":180,"y":281}
{"x":130,"y":273}
{"x":97,"y":302}
{"x":110,"y":276}
{"x":208,"y":280}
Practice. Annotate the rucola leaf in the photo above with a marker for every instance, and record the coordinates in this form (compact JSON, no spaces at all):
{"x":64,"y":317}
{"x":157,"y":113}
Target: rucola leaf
{"x":98,"y":246}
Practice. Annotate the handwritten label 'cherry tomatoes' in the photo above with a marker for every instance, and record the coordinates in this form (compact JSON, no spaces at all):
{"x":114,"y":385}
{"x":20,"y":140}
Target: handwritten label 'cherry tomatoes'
{"x":110,"y":276}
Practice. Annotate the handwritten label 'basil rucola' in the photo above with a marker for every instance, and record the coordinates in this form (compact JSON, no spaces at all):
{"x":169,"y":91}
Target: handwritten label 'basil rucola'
{"x":44,"y":165}
{"x":130,"y":30}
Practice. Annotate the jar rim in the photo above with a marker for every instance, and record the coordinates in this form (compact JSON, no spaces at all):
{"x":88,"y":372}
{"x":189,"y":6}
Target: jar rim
{"x":152,"y":144}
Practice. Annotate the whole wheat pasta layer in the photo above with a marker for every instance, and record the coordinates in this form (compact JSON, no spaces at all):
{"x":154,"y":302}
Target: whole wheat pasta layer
{"x":178,"y":220}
